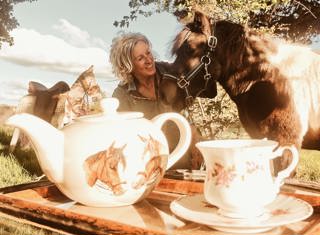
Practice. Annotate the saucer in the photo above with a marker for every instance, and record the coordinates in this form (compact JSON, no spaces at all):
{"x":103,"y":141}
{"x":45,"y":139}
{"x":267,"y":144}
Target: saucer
{"x":283,"y":210}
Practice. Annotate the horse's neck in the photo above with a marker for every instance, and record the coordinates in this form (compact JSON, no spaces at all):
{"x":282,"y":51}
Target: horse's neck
{"x":230,"y":46}
{"x":242,"y":57}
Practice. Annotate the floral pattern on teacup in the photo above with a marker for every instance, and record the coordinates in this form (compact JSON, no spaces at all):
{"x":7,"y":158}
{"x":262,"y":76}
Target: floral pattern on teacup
{"x":280,"y":212}
{"x":253,"y":167}
{"x":208,"y":205}
{"x":224,"y":176}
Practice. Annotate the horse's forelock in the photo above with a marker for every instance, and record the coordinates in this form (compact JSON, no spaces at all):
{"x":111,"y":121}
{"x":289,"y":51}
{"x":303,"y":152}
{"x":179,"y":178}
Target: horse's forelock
{"x":179,"y":40}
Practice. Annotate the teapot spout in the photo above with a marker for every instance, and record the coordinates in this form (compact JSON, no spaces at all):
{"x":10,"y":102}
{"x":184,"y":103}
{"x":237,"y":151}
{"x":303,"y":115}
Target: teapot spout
{"x":47,"y":141}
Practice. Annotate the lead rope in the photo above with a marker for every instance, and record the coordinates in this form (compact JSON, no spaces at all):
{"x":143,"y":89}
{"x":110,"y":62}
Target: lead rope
{"x":206,"y":61}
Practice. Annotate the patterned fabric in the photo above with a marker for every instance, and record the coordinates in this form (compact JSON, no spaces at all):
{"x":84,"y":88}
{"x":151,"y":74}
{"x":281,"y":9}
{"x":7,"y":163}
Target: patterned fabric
{"x":82,"y":99}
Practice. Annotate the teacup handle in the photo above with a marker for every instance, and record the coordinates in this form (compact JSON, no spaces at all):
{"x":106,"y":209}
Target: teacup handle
{"x":185,"y":134}
{"x":286,"y":172}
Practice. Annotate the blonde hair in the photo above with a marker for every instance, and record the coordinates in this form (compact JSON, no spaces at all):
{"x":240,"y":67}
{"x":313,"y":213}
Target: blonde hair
{"x":121,"y":54}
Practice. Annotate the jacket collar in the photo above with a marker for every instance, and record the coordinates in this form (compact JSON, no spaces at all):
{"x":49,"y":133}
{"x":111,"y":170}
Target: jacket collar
{"x":131,"y":86}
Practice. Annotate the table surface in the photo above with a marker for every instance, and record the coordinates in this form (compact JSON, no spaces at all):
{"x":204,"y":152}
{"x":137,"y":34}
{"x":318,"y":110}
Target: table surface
{"x":42,"y":205}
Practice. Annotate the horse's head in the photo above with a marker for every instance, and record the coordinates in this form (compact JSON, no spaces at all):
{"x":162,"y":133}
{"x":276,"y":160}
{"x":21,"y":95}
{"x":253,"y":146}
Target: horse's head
{"x":206,"y":51}
{"x":194,"y":72}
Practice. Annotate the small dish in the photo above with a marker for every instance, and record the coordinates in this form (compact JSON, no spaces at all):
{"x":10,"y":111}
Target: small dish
{"x":283,"y":210}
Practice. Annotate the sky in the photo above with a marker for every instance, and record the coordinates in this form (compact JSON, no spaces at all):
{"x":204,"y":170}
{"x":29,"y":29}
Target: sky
{"x":58,"y":39}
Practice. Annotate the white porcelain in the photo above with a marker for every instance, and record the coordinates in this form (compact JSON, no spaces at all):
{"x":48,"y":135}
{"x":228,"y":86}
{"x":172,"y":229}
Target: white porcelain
{"x":238,"y":176}
{"x":109,"y":159}
{"x":282,"y":211}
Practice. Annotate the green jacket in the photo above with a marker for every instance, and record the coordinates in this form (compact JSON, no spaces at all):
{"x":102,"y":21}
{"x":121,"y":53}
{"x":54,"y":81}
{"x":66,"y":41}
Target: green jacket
{"x":131,"y":100}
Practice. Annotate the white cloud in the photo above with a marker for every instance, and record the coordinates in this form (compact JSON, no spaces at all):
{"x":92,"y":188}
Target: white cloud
{"x":12,"y":90}
{"x":52,"y":53}
{"x":77,"y":37}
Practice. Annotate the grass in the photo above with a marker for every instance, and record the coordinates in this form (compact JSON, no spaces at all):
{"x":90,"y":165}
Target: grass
{"x":309,"y":166}
{"x":18,"y":167}
{"x":9,"y":227}
{"x":11,"y":171}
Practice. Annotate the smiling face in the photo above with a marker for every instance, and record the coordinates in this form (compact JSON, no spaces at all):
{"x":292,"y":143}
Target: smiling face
{"x":143,"y":61}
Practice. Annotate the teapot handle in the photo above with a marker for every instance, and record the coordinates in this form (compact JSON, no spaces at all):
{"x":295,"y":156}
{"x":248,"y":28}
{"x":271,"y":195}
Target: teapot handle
{"x":185,"y":134}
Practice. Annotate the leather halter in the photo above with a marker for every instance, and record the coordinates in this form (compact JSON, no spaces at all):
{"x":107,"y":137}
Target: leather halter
{"x":183,"y":81}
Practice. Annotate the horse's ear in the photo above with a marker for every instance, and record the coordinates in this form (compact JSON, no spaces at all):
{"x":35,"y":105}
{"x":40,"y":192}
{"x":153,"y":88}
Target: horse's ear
{"x":201,"y":23}
{"x":197,"y":20}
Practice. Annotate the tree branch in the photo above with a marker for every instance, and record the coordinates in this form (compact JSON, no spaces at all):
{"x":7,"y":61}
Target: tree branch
{"x":305,"y":7}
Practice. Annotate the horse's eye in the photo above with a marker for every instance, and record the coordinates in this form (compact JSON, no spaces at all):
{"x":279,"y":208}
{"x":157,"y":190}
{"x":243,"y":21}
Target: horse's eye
{"x":189,"y":50}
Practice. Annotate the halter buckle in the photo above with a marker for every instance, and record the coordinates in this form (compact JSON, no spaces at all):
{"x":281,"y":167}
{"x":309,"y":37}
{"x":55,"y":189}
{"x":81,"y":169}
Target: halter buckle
{"x":212,"y":42}
{"x":182,"y":83}
{"x":207,"y":77}
{"x":206,"y":59}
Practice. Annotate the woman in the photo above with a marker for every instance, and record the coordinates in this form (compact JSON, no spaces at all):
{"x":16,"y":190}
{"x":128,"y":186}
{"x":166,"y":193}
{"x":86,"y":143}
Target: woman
{"x":133,"y":63}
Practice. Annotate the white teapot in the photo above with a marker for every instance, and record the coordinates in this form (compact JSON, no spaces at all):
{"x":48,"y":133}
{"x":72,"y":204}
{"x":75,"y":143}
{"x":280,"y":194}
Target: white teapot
{"x":105,"y":160}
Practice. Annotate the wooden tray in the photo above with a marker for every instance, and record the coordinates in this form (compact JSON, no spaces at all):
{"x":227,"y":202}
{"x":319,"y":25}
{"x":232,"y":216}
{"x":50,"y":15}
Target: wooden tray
{"x":42,"y":204}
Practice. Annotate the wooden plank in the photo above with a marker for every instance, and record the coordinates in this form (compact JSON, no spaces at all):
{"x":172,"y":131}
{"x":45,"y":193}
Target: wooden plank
{"x":304,"y":184}
{"x":47,"y":206}
{"x":20,"y":187}
{"x":180,"y":186}
{"x":79,"y":224}
{"x":314,"y":201}
{"x":67,"y":220}
{"x":314,"y":226}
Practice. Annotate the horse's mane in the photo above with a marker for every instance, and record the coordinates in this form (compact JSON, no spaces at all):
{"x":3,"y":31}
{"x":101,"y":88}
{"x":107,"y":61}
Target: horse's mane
{"x":245,"y":50}
{"x":238,"y":41}
{"x":242,"y":44}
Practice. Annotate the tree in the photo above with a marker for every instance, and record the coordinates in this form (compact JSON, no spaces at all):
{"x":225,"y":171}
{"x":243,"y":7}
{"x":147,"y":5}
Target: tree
{"x":295,"y":20}
{"x":7,"y":21}
{"x":298,"y":20}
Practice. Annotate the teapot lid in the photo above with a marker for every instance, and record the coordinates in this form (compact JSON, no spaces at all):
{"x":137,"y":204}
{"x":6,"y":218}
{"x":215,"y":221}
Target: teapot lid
{"x":109,"y":111}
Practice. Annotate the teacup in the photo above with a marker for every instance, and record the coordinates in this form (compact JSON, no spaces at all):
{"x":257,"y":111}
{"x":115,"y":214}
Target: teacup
{"x":239,"y":180}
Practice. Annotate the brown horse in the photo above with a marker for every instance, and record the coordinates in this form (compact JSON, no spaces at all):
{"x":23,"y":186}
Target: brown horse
{"x":275,"y":84}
